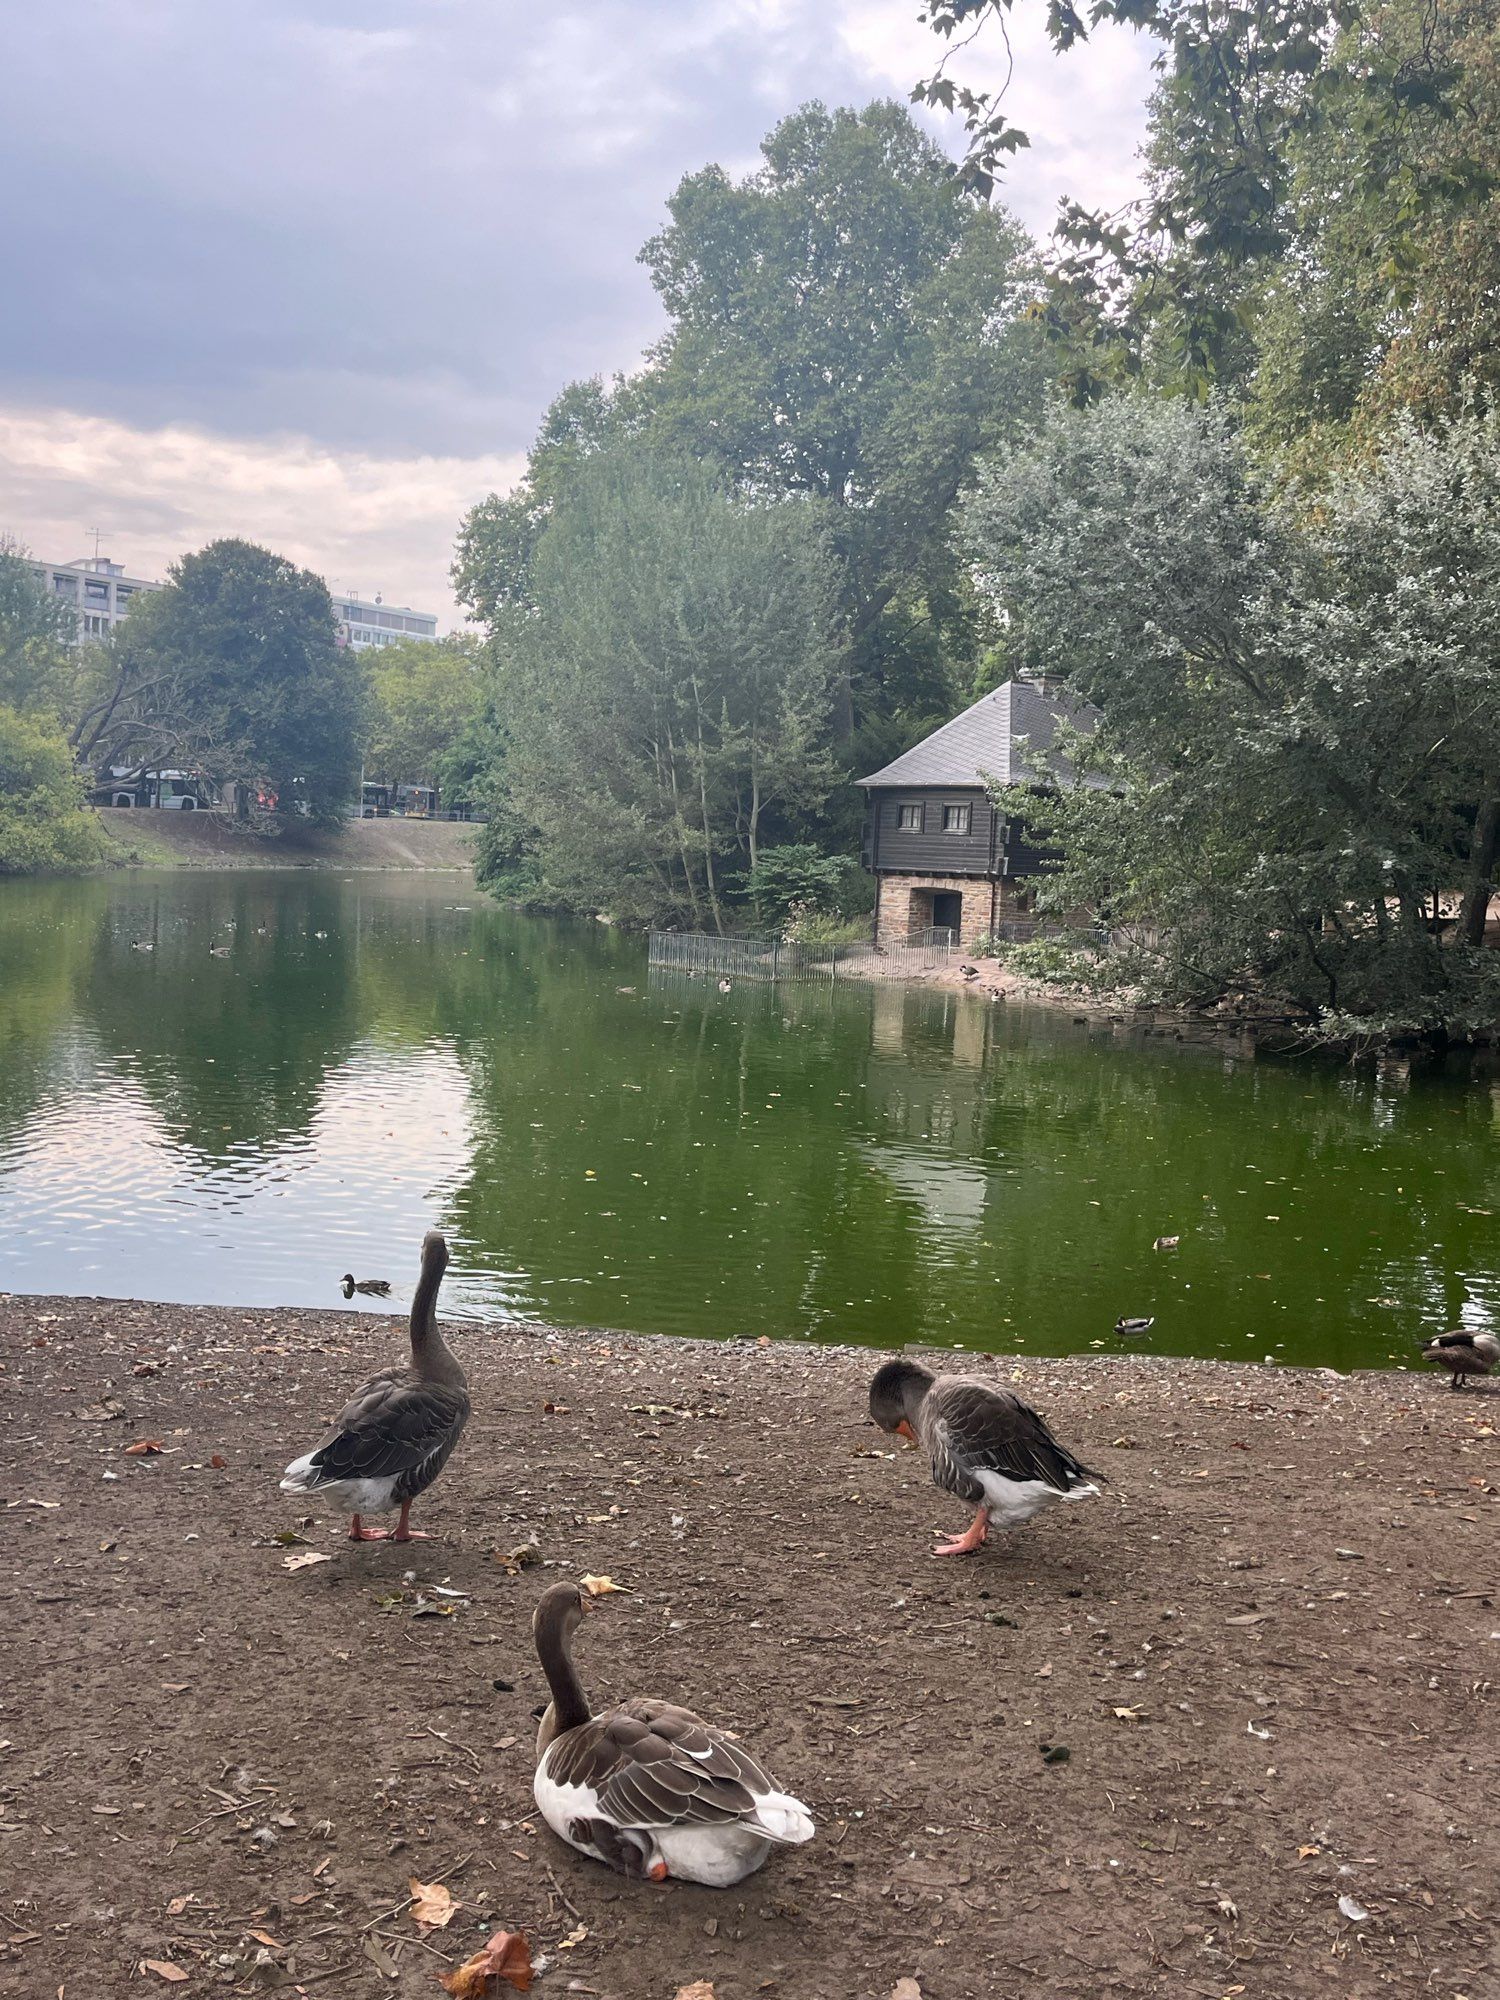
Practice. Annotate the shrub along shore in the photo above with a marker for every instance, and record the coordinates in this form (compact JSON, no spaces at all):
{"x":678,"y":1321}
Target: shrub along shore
{"x":1228,"y":1727}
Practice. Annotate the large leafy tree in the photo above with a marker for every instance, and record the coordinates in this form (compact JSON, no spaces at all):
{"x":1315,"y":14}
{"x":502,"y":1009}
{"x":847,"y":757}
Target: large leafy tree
{"x":666,"y":690}
{"x":1302,"y":714}
{"x":43,"y":823}
{"x":847,"y":326}
{"x":237,"y":664}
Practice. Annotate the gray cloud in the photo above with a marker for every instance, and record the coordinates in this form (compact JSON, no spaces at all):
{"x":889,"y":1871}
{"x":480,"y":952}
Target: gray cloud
{"x":392,"y":229}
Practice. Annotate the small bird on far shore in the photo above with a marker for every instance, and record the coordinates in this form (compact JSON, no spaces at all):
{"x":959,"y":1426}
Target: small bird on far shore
{"x":984,"y":1445}
{"x":370,"y":1288}
{"x":1463,"y":1353}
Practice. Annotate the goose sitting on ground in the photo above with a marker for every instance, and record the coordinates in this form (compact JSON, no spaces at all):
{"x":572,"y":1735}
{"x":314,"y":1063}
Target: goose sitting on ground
{"x":984,"y":1444}
{"x":393,"y":1438}
{"x":647,"y":1787}
{"x":1463,"y":1353}
{"x":370,"y":1288}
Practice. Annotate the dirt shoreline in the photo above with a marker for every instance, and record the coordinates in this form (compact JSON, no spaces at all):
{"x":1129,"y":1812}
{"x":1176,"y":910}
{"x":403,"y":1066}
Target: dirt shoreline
{"x":1271,"y":1652}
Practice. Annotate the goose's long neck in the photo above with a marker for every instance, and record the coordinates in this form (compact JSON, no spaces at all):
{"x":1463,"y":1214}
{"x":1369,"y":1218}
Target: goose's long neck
{"x":569,"y":1707}
{"x":431,"y":1357}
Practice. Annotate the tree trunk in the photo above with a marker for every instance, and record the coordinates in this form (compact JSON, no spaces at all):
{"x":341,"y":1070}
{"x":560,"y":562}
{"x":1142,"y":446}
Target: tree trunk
{"x":1484,"y":851}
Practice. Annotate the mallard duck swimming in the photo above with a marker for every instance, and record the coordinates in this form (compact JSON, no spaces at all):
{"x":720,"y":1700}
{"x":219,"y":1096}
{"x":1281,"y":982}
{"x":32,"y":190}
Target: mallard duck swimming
{"x":1463,"y":1353}
{"x":1132,"y":1329}
{"x":647,"y":1787}
{"x":984,"y":1444}
{"x":393,"y":1438}
{"x":370,"y":1288}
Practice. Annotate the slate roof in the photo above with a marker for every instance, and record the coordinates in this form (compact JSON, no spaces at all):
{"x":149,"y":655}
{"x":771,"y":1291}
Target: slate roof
{"x":982,"y":741}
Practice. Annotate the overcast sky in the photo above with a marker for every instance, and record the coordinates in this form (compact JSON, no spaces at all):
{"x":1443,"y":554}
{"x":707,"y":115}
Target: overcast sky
{"x":310,"y":270}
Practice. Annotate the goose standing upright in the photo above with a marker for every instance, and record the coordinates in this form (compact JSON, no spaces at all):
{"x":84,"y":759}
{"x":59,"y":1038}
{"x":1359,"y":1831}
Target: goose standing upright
{"x":392,"y":1439}
{"x":984,"y":1445}
{"x":647,"y":1787}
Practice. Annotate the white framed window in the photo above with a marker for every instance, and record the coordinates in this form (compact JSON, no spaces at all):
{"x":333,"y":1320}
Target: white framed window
{"x":909,"y":818}
{"x":956,"y":818}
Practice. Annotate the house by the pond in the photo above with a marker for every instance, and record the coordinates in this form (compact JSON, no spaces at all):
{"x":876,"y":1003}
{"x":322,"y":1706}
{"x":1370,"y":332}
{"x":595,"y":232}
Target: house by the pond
{"x":944,"y":856}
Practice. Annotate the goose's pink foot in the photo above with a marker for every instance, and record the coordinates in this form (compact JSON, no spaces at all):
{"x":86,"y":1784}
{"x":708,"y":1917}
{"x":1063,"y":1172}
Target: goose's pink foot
{"x":973,"y":1538}
{"x":658,"y":1871}
{"x":359,"y":1533}
{"x":404,"y":1531}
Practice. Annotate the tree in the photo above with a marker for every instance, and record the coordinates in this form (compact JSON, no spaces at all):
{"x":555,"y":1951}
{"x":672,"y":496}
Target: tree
{"x":236,"y":664}
{"x":43,"y":822}
{"x":426,"y":701}
{"x":1301,"y":712}
{"x":849,"y":328}
{"x":666,"y":694}
{"x":36,"y":634}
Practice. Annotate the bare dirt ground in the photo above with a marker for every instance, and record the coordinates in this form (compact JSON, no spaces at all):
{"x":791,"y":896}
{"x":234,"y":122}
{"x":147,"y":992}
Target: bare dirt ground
{"x":1271,"y":1655}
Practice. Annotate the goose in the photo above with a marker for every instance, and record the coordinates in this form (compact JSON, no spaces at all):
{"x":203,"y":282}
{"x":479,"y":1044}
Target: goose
{"x":393,"y":1438}
{"x":370,"y":1288}
{"x":648,"y":1788}
{"x":725,"y":987}
{"x":1130,"y":1329}
{"x":1463,"y":1353}
{"x":1166,"y":1242}
{"x":985,"y":1445}
{"x":218,"y":951}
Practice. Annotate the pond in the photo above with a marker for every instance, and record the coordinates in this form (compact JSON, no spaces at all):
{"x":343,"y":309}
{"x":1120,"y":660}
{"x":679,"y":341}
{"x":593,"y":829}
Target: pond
{"x":230,"y":1089}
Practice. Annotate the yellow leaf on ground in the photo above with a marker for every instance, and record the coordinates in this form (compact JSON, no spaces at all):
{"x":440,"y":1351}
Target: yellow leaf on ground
{"x":305,"y":1561}
{"x":432,"y":1906}
{"x":701,"y":1989}
{"x":164,"y":1969}
{"x":575,"y":1936}
{"x":601,"y":1586}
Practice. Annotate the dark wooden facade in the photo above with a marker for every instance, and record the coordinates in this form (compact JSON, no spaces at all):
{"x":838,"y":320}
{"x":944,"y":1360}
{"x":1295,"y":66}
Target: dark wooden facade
{"x":994,"y":847}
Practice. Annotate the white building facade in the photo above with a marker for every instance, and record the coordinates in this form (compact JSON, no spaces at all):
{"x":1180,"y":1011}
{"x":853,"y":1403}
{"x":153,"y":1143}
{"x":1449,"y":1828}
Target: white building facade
{"x":96,"y":590}
{"x":376,"y":623}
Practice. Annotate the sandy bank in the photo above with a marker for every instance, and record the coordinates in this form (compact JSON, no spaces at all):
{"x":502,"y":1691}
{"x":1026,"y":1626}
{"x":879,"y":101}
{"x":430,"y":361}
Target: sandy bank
{"x":212,"y":840}
{"x":1270,"y":1653}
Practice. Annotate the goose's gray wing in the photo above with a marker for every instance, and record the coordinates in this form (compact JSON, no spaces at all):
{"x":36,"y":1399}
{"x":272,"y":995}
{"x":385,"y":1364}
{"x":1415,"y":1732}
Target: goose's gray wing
{"x":970,"y":1427}
{"x":395,"y":1426}
{"x":652,"y":1765}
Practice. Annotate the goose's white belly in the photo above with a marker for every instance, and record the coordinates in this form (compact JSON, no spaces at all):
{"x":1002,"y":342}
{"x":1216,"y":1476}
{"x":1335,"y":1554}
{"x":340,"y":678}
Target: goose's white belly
{"x":1013,"y":1502}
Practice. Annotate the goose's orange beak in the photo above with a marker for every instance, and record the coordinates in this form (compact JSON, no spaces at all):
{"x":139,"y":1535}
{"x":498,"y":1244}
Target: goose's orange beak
{"x":904,"y":1429}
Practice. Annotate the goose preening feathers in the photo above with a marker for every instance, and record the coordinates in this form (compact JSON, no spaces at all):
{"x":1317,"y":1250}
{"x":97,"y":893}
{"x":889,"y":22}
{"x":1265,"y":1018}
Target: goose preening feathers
{"x":649,"y":1788}
{"x":393,"y":1438}
{"x":984,"y":1445}
{"x":1463,"y":1353}
{"x":370,"y":1288}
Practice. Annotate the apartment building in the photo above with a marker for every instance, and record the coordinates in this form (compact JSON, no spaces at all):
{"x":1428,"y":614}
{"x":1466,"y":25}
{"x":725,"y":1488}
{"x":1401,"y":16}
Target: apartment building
{"x":376,"y":623}
{"x":96,"y":590}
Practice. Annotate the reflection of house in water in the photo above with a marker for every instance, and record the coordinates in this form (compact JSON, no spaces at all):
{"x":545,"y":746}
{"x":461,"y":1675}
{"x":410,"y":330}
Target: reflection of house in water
{"x":950,"y":1194}
{"x":905,"y":1019}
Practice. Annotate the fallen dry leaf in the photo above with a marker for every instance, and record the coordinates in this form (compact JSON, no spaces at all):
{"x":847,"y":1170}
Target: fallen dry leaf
{"x":144,"y":1449}
{"x":305,"y":1560}
{"x":507,"y":1956}
{"x":906,"y":1989}
{"x":218,"y":1462}
{"x":601,"y":1586}
{"x":164,"y":1969}
{"x":575,"y":1937}
{"x":701,"y":1989}
{"x":518,"y":1558}
{"x":432,"y":1906}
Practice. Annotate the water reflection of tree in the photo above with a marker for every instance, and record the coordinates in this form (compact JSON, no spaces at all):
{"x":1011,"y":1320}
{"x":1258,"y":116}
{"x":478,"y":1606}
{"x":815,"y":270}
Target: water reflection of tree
{"x":47,"y":933}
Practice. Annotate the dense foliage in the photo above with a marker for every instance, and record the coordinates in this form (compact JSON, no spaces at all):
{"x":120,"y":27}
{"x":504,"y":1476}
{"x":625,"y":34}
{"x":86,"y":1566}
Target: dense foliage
{"x":426,"y":715}
{"x":1301,"y":709}
{"x":235,"y":670}
{"x":43,"y":821}
{"x":666,"y":690}
{"x":848,"y":329}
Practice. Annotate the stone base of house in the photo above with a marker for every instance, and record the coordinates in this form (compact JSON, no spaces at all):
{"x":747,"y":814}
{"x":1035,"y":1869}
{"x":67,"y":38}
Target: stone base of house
{"x":908,"y":905}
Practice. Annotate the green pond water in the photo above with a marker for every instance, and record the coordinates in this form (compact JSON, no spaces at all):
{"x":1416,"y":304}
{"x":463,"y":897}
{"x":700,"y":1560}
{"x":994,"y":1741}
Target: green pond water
{"x":303,"y":1073}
